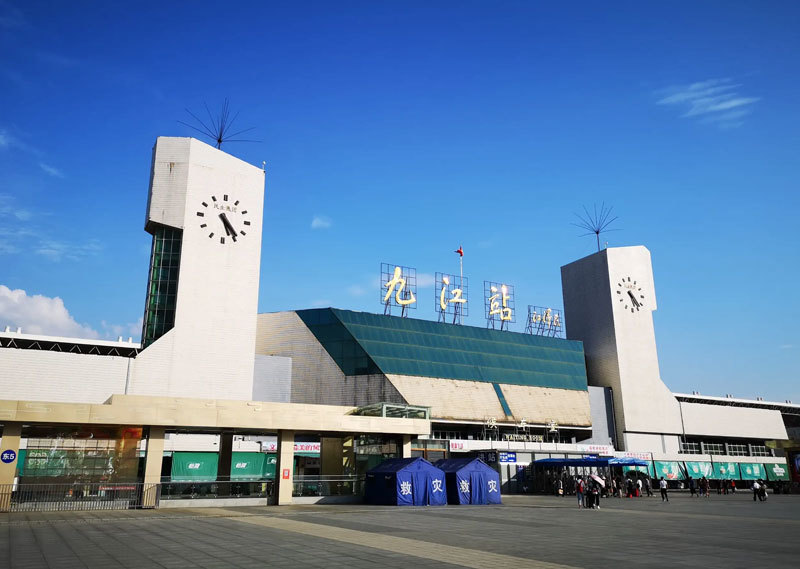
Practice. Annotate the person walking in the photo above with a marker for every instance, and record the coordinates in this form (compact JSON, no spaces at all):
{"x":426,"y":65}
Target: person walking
{"x":638,"y":487}
{"x":756,"y":490}
{"x":662,"y":484}
{"x":579,"y":491}
{"x":648,"y":486}
{"x":692,"y":487}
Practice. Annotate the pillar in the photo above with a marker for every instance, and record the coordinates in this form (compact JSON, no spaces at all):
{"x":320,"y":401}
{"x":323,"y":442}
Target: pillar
{"x":12,"y":433}
{"x":284,"y":471}
{"x":224,"y":462}
{"x":331,"y":456}
{"x":152,"y":466}
{"x":406,"y":446}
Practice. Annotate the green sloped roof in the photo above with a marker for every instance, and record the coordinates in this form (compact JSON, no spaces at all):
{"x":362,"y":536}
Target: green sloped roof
{"x":363,"y":343}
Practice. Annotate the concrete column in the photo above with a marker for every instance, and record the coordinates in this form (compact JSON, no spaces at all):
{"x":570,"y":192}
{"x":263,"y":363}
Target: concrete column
{"x":152,"y":465}
{"x":406,"y":446}
{"x":12,"y":433}
{"x":224,"y":462}
{"x":331,"y":456}
{"x":284,"y":472}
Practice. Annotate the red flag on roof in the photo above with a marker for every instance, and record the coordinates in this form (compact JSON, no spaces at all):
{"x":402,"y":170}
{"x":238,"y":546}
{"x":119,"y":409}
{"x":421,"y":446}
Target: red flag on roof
{"x":460,"y":251}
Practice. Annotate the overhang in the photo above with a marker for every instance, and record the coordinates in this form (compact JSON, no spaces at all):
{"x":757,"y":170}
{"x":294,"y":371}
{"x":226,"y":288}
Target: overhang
{"x":209,"y":414}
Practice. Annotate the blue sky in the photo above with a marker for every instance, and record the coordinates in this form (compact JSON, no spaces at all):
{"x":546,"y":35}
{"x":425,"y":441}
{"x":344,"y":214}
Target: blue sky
{"x":408,"y":128}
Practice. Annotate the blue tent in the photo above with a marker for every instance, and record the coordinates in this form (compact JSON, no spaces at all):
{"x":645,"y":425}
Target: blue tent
{"x":470,"y":481}
{"x":405,"y":482}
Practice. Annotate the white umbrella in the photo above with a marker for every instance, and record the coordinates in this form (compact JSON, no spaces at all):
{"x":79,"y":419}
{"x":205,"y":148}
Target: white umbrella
{"x":598,"y":479}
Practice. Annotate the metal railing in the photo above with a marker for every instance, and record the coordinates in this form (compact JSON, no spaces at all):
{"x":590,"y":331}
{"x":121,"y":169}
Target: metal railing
{"x":328,"y":485}
{"x":738,"y":450}
{"x":77,"y":496}
{"x":217,"y":489}
{"x":760,"y":451}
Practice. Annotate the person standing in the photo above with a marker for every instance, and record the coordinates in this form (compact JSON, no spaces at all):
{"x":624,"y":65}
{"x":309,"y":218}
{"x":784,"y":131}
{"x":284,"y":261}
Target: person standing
{"x":662,"y":484}
{"x":756,"y":490}
{"x":638,"y":487}
{"x":648,"y":486}
{"x":692,"y":487}
{"x":579,"y":490}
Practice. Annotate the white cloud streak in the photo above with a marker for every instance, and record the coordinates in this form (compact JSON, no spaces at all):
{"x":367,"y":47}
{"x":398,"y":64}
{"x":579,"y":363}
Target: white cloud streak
{"x":321,"y":222}
{"x":55,"y":172}
{"x":716,"y":101}
{"x":37,"y":314}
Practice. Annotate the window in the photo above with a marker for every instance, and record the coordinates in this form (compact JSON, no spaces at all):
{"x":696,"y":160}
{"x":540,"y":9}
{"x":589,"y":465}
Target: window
{"x":162,"y":285}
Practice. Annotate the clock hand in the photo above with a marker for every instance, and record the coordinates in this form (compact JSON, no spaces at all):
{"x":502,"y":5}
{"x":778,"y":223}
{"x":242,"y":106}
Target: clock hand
{"x":228,"y":227}
{"x":633,"y":299}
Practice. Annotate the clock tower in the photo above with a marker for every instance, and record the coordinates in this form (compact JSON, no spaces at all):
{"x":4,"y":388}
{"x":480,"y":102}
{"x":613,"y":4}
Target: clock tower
{"x":204,"y":212}
{"x":609,"y":300}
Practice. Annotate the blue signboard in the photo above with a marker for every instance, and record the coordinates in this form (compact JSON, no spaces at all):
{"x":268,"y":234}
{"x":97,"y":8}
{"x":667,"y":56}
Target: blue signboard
{"x":508,"y":457}
{"x":8,"y":456}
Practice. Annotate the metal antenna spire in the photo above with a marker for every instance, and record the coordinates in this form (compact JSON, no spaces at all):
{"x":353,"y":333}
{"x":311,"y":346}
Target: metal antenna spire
{"x":597,"y":222}
{"x":218,"y":127}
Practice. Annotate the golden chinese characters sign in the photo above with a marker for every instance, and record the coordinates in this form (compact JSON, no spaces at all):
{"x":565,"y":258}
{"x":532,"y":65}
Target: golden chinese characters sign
{"x":451,"y":297}
{"x":499,"y":303}
{"x":399,"y":287}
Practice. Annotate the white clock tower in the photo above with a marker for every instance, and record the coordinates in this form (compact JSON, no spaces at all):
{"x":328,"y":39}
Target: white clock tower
{"x":609,"y":299}
{"x":204,"y":212}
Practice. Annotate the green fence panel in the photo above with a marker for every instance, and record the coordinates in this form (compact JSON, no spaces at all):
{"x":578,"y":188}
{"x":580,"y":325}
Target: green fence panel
{"x":646,"y":469}
{"x":194,"y":466}
{"x":752,"y":471}
{"x":670,"y":470}
{"x":248,"y":465}
{"x":699,"y":469}
{"x":726,"y":471}
{"x":270,"y":465}
{"x":776,"y":472}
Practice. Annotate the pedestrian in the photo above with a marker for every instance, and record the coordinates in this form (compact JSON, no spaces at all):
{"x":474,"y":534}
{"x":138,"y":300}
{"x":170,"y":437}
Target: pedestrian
{"x":756,"y":490}
{"x":579,"y":489}
{"x":692,"y":487}
{"x":648,"y":486}
{"x":662,"y":484}
{"x":638,"y":487}
{"x":629,"y":488}
{"x":762,"y":491}
{"x":733,"y":486}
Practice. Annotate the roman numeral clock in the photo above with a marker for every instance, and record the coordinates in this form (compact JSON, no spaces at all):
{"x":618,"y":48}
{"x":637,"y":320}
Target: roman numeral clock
{"x":225,"y":219}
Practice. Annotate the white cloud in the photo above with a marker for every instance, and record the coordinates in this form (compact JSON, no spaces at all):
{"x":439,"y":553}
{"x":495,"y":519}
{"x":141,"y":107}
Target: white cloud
{"x":5,"y":139}
{"x":356,"y":290}
{"x":61,"y":250}
{"x":425,"y":279}
{"x":321,"y":222}
{"x":114,"y":331}
{"x":715,"y":101}
{"x":55,"y":172}
{"x":37,"y":314}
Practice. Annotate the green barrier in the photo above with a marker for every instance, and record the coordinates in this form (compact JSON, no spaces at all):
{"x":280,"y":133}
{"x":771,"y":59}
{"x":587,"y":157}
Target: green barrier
{"x":752,"y":471}
{"x":248,"y":465}
{"x":194,"y":466}
{"x":777,"y":472}
{"x":645,"y":469}
{"x":670,"y":470}
{"x":726,"y":471}
{"x":699,"y":469}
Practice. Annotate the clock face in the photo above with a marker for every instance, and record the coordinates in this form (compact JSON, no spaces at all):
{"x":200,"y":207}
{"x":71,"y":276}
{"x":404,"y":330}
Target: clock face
{"x":630,"y":295}
{"x":223,"y":218}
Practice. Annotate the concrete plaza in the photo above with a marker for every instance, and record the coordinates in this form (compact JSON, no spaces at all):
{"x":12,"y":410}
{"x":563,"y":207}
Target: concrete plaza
{"x":526,"y":531}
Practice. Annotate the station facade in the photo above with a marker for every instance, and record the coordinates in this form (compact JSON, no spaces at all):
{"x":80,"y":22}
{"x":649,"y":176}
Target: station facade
{"x":215,"y":392}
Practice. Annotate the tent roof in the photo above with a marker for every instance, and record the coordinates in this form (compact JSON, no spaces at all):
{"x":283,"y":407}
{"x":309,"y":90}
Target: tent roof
{"x":456,"y":464}
{"x":398,"y":464}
